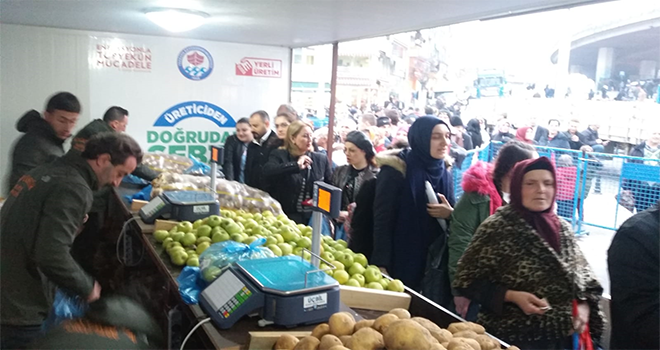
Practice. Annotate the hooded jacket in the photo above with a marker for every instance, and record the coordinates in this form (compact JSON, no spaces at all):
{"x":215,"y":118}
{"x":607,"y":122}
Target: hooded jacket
{"x":110,"y":323}
{"x":472,"y":209}
{"x":39,"y":145}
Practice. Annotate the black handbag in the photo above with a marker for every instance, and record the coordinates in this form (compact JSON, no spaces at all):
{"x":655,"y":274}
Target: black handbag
{"x":435,"y":284}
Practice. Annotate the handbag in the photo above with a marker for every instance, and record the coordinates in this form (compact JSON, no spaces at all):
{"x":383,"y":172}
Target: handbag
{"x":435,"y":284}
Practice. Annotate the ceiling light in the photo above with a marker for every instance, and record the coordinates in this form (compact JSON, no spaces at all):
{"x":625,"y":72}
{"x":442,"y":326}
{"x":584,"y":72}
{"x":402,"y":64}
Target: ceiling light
{"x":176,"y":20}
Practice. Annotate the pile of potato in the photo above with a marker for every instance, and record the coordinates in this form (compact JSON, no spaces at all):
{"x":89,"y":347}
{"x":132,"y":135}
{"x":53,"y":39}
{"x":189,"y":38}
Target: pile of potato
{"x":170,"y":163}
{"x":395,"y":330}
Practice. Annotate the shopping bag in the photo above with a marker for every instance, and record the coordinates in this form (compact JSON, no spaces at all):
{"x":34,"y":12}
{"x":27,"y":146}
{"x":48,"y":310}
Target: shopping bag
{"x":583,"y":340}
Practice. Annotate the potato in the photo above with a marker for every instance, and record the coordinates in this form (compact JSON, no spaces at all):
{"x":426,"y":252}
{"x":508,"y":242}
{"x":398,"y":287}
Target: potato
{"x":367,"y":339}
{"x":443,"y":336}
{"x":362,"y":324}
{"x":437,"y":346}
{"x":347,"y":340}
{"x":402,"y":313}
{"x":285,"y":342}
{"x":463,"y":344}
{"x":384,"y":321}
{"x":339,"y":347}
{"x":466,"y":334}
{"x":407,"y":335}
{"x":486,"y":342}
{"x":328,"y":341}
{"x":477,"y":328}
{"x":321,"y":330}
{"x":512,"y":347}
{"x":427,"y":324}
{"x":308,"y":343}
{"x":341,"y":323}
{"x":459,"y":327}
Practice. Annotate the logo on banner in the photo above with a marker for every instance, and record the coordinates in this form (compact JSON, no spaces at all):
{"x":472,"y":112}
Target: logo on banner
{"x":122,"y":56}
{"x":168,"y":138}
{"x":195,"y":63}
{"x":259,"y":67}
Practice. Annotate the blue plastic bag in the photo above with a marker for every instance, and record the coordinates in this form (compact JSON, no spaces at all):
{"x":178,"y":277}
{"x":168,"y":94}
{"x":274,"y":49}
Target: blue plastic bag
{"x":134,"y":180}
{"x":66,"y":307}
{"x":325,"y":226}
{"x":220,"y":255}
{"x":198,"y":168}
{"x":143,"y":195}
{"x":190,"y":284}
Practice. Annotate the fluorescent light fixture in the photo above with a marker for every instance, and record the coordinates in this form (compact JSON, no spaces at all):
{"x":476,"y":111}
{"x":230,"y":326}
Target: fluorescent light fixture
{"x":176,"y":20}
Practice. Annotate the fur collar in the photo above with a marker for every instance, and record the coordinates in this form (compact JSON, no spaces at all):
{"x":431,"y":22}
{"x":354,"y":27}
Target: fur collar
{"x":393,"y":159}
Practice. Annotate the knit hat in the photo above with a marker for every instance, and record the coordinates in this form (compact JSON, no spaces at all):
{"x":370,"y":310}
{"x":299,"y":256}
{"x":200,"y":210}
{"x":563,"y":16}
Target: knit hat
{"x":383,"y":121}
{"x":456,"y":121}
{"x":361,"y":141}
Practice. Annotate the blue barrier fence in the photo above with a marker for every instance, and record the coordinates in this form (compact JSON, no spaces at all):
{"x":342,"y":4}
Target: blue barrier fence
{"x":609,"y":188}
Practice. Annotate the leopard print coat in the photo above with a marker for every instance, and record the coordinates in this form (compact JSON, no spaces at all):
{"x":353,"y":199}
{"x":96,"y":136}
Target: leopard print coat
{"x":507,"y":252}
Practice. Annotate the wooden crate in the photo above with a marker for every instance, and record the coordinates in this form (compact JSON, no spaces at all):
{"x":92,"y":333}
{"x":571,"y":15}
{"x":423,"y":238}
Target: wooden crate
{"x":266,"y":340}
{"x":164,"y":224}
{"x":373,"y":299}
{"x":137,"y":204}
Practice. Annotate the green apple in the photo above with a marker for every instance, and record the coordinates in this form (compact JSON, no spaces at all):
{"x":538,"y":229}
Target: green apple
{"x":352,"y":282}
{"x":216,"y":230}
{"x":202,"y":247}
{"x":288,"y":234}
{"x":305,"y":242}
{"x":203,"y":239}
{"x":279,"y":238}
{"x":220,"y":237}
{"x":286,"y":248}
{"x":338,"y":265}
{"x":325,"y":268}
{"x":178,"y":235}
{"x":237,"y":237}
{"x":341,"y":276}
{"x":374,"y":285}
{"x":204,"y":231}
{"x":372,"y":275}
{"x":213,"y":220}
{"x":275,"y":249}
{"x":327,"y":256}
{"x":292,"y":243}
{"x":174,"y":249}
{"x":188,"y":239}
{"x":160,"y":235}
{"x":348,"y":250}
{"x":338,"y":247}
{"x":210,"y":273}
{"x":345,"y":258}
{"x":173,"y":229}
{"x":198,"y":223}
{"x":306,"y":230}
{"x":343,"y":243}
{"x":360,"y":259}
{"x":179,"y":258}
{"x":356,"y":269}
{"x":191,"y":251}
{"x":395,"y":286}
{"x":384,"y":282}
{"x":358,"y":278}
{"x":249,"y":240}
{"x":267,"y":213}
{"x":192,"y":261}
{"x":297,"y":251}
{"x":271,"y":240}
{"x":174,"y":244}
{"x":166,"y":242}
{"x":184,"y":226}
{"x":232,"y":228}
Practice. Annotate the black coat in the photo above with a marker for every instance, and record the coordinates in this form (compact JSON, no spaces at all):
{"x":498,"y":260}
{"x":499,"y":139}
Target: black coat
{"x":233,"y":151}
{"x":284,"y":179}
{"x":503,"y":137}
{"x":559,"y":141}
{"x":634,"y":266}
{"x":541,"y":134}
{"x":257,"y":156}
{"x":589,"y":137}
{"x":362,"y":223}
{"x":39,"y":145}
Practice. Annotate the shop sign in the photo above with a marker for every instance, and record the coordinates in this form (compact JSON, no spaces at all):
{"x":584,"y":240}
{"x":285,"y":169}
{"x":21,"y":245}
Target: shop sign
{"x":195,"y":63}
{"x":122,"y":56}
{"x":259,"y":67}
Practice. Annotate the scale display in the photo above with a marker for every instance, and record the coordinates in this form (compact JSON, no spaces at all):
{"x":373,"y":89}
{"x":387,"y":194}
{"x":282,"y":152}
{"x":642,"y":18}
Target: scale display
{"x":226,"y":294}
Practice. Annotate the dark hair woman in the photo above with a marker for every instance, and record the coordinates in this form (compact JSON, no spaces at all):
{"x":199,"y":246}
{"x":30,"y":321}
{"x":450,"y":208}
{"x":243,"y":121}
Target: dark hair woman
{"x":405,"y":224}
{"x":526,"y":270}
{"x":474,"y":130}
{"x":485,"y":187}
{"x":292,"y":171}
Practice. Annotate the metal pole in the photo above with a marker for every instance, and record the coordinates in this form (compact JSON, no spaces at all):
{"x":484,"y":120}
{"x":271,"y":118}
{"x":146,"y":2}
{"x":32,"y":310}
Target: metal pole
{"x":333,"y":99}
{"x":214,"y":174}
{"x":290,"y":74}
{"x":317,"y":222}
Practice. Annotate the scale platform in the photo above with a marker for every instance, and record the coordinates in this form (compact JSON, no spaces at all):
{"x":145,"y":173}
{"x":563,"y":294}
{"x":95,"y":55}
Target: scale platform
{"x":286,"y":291}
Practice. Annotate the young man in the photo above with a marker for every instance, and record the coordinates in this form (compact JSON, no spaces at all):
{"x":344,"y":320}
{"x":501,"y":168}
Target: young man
{"x":590,"y":137}
{"x":235,"y":151}
{"x":114,"y":119}
{"x":44,"y":137}
{"x":39,"y":221}
{"x":539,"y":132}
{"x":555,"y":138}
{"x":574,"y":135}
{"x":461,"y":137}
{"x":265,"y":140}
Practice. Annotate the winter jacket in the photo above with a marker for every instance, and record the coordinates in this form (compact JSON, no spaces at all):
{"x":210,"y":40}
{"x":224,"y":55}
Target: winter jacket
{"x":233,"y":152}
{"x":94,"y":127}
{"x":362,"y":222}
{"x":38,"y":222}
{"x":470,"y":211}
{"x":559,"y":141}
{"x":634,"y":267}
{"x":506,"y":253}
{"x":575,"y":145}
{"x":110,"y":323}
{"x":340,"y":177}
{"x":589,"y":137}
{"x":39,"y":145}
{"x":504,"y":138}
{"x":284,"y":179}
{"x":541,"y":134}
{"x":257,"y":156}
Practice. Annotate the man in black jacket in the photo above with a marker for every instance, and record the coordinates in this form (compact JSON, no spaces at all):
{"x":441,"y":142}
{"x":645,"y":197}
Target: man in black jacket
{"x":265,"y":140}
{"x":44,"y":137}
{"x":38,"y":224}
{"x":235,"y":151}
{"x":634,"y":266}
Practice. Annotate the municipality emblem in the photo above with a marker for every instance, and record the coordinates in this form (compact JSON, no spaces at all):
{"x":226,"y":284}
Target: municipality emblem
{"x":195,"y":63}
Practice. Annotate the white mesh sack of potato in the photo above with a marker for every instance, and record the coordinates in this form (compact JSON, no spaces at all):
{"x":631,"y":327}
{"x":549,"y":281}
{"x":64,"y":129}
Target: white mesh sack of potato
{"x":235,"y":195}
{"x":171,"y":163}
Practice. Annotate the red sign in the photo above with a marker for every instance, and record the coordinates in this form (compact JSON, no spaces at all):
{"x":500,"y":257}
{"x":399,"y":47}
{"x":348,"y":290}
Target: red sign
{"x":259,"y":67}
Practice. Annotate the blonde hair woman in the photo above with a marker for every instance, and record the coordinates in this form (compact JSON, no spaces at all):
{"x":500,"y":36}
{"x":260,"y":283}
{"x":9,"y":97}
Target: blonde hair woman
{"x":292,"y":170}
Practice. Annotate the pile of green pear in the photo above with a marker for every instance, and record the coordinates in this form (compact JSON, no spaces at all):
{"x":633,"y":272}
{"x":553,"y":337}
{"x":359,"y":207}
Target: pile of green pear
{"x":186,"y":241}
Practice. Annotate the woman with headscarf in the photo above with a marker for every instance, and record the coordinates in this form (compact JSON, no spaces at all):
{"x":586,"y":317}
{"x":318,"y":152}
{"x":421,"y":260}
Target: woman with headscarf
{"x":526,"y":270}
{"x":525,"y":134}
{"x":474,"y":130}
{"x":405,"y":224}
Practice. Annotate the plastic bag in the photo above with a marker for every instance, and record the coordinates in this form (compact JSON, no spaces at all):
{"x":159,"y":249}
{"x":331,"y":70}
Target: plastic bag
{"x":143,"y":195}
{"x":66,"y":307}
{"x":171,"y":163}
{"x":134,"y":180}
{"x":220,"y":255}
{"x":190,"y":284}
{"x":198,"y":168}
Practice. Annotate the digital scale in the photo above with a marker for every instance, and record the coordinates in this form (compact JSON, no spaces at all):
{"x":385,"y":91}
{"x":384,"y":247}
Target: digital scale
{"x":180,"y":206}
{"x":286,"y":291}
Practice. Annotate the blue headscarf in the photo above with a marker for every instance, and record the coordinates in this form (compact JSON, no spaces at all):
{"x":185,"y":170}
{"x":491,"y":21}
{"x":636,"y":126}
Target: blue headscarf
{"x":416,"y":230}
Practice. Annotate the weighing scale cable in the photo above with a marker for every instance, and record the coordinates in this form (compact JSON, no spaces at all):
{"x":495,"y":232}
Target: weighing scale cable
{"x":119,"y":240}
{"x":199,"y":324}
